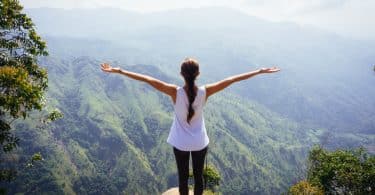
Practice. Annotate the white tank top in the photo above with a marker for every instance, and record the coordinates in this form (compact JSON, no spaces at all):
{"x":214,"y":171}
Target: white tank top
{"x":185,"y":136}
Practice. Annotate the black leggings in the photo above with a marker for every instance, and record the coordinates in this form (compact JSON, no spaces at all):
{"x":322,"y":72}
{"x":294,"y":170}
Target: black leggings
{"x":182,"y":159}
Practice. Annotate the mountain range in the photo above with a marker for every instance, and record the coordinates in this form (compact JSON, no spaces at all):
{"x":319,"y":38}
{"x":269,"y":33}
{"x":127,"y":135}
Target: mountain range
{"x":112,"y":138}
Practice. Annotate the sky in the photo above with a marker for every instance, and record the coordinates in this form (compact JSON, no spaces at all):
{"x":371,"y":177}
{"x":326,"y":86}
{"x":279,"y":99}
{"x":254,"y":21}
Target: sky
{"x":350,"y":18}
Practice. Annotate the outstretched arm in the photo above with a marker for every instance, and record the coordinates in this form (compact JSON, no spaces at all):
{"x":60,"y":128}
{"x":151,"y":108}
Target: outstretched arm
{"x":218,"y":86}
{"x":169,"y":89}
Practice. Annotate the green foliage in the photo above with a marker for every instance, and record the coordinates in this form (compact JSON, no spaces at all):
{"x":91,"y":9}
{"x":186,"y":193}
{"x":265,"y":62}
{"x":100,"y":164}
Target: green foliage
{"x":7,"y":175}
{"x":211,"y":177}
{"x":342,"y":171}
{"x":209,"y":192}
{"x":54,"y":115}
{"x":19,"y":95}
{"x":304,"y":188}
{"x":35,"y":158}
{"x":8,"y":141}
{"x":22,"y":81}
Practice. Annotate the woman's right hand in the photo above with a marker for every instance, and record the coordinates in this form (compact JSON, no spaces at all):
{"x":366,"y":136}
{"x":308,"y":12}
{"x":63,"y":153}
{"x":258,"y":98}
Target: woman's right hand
{"x":269,"y":70}
{"x":108,"y":68}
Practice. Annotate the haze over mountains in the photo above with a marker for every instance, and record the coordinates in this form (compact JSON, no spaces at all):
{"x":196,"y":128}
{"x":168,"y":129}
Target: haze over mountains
{"x":317,"y":66}
{"x":114,"y":129}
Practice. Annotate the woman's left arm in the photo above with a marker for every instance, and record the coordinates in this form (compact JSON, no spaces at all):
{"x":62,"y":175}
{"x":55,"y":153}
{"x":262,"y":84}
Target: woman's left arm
{"x":167,"y":88}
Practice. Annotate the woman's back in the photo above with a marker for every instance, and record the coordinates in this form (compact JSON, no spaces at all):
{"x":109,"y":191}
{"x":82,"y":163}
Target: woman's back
{"x":184,"y":135}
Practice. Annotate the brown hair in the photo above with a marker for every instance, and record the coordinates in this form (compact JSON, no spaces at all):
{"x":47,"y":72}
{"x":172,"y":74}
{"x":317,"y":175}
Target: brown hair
{"x":190,"y":71}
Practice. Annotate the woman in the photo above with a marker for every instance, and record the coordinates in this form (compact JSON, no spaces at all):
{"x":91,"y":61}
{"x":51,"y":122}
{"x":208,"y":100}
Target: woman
{"x":188,"y":133}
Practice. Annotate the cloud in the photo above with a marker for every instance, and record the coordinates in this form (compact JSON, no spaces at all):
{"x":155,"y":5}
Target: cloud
{"x":353,"y":18}
{"x":292,"y":7}
{"x":350,"y":18}
{"x":322,"y":5}
{"x":139,"y":5}
{"x":300,"y":3}
{"x":283,"y":6}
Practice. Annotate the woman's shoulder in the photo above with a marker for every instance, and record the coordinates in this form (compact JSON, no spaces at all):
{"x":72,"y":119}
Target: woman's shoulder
{"x":202,"y":88}
{"x":179,"y":88}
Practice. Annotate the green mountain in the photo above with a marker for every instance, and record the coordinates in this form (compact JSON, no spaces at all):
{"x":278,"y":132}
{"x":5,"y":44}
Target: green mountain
{"x":112,"y":138}
{"x":326,"y":80}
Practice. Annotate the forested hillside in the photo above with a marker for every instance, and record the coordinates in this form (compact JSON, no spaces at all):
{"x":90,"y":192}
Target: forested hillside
{"x":112,"y":138}
{"x":326,"y":80}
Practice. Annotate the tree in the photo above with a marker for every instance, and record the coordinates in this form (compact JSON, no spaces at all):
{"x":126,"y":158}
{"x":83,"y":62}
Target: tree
{"x":22,"y":81}
{"x":342,"y":171}
{"x":211,"y":177}
{"x":304,"y":188}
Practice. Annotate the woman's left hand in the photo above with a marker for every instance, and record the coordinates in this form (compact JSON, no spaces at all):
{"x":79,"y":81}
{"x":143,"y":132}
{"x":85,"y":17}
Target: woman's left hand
{"x":269,"y":70}
{"x":108,"y":68}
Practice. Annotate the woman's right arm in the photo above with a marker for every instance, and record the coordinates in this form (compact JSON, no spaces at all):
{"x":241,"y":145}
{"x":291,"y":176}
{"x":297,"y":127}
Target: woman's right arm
{"x":218,"y":86}
{"x":167,"y":88}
